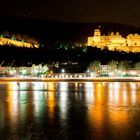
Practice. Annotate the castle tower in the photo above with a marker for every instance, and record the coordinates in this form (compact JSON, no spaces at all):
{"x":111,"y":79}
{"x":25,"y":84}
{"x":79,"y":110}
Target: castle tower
{"x":97,"y":32}
{"x":96,"y":37}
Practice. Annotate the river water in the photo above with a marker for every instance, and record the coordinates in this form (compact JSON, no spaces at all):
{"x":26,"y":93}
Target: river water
{"x":69,"y":110}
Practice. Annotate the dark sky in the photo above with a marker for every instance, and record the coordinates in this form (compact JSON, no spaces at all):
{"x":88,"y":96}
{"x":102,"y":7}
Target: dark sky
{"x":119,"y":11}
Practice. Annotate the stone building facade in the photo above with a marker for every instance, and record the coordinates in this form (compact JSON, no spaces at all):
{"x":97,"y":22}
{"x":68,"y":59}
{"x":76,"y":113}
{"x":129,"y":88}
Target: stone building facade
{"x":115,"y":41}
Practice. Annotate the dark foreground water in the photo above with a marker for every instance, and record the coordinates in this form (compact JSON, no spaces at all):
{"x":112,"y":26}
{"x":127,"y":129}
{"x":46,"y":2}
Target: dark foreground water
{"x":70,"y":111}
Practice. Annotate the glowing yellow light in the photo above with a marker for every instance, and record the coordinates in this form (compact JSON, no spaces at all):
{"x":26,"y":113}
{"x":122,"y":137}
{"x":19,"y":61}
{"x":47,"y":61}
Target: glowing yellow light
{"x":7,"y":41}
{"x":12,"y":100}
{"x":115,"y":42}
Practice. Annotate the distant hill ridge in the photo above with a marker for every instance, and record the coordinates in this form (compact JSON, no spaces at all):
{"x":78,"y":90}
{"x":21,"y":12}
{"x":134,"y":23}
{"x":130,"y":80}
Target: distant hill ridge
{"x":56,"y":30}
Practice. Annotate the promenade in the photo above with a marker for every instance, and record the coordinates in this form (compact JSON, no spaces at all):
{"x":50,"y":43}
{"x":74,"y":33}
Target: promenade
{"x":84,"y":79}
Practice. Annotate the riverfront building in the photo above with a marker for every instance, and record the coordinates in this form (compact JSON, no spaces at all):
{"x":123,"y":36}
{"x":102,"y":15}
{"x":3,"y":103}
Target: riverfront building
{"x":31,"y":71}
{"x":115,"y":41}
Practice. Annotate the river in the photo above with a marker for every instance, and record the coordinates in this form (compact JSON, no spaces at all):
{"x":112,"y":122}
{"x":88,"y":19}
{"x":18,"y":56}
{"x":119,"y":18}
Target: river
{"x":69,"y":110}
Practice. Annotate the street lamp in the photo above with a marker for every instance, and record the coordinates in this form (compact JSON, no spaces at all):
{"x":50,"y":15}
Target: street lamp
{"x":63,"y":70}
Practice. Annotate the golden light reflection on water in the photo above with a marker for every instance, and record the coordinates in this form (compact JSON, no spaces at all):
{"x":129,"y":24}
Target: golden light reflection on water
{"x":13,"y":102}
{"x":113,"y":102}
{"x":51,"y":99}
{"x":96,"y":109}
{"x":106,"y":102}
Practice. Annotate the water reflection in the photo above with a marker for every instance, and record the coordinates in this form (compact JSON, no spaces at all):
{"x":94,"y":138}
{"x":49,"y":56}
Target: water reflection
{"x":99,"y":110}
{"x":12,"y":105}
{"x":50,"y":97}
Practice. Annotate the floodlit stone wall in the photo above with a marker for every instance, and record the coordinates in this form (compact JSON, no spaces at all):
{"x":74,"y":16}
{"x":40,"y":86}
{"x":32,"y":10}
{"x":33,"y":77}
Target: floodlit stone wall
{"x":115,"y":41}
{"x":16,"y":43}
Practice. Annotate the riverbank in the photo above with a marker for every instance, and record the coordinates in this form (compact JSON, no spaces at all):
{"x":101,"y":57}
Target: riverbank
{"x":86,"y":79}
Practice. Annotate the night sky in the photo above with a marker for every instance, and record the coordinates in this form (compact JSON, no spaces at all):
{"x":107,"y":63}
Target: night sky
{"x":118,"y":11}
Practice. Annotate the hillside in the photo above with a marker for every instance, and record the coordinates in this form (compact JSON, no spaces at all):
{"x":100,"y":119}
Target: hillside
{"x":55,"y":36}
{"x":53,"y":30}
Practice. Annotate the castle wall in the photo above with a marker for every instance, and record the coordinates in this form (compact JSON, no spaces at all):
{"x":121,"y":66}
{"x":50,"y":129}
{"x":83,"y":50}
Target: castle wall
{"x":115,"y":41}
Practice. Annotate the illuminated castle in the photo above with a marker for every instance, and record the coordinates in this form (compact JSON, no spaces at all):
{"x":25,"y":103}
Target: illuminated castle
{"x":9,"y":42}
{"x":115,"y":41}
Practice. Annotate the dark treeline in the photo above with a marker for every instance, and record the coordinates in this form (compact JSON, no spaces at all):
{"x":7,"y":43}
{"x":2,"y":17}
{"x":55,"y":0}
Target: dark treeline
{"x":25,"y":56}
